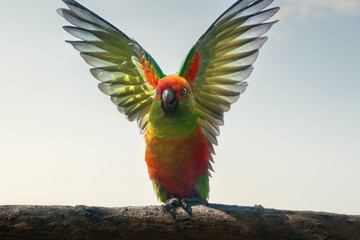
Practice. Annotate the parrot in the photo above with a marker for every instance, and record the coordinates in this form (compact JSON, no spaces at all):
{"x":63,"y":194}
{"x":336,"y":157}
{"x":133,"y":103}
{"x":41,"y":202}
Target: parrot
{"x":180,"y":114}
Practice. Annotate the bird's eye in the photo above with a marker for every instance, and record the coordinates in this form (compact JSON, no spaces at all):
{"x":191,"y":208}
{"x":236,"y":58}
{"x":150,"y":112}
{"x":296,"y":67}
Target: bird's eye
{"x":156,"y":91}
{"x":183,"y":91}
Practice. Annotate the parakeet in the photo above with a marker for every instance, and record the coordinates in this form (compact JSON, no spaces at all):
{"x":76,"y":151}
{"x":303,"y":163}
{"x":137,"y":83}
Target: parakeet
{"x":179,"y":114}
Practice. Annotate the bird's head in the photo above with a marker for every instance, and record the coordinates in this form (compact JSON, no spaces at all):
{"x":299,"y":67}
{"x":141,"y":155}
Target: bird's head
{"x":173,"y":111}
{"x":175,"y":95}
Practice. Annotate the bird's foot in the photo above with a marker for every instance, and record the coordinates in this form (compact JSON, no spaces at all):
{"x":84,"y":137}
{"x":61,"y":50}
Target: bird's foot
{"x":194,"y":201}
{"x":172,"y":203}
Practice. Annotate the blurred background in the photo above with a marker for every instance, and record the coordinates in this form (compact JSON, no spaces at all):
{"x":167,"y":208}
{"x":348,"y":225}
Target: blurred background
{"x":292,"y":141}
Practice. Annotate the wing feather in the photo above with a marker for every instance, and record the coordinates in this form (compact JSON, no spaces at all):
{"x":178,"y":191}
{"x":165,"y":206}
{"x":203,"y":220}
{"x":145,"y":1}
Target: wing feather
{"x":115,"y":61}
{"x":226,"y":54}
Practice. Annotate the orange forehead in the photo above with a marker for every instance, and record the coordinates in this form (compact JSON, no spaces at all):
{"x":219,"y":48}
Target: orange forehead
{"x":174,"y":82}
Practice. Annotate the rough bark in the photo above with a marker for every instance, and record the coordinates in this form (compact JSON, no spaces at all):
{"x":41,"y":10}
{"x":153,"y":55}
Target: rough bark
{"x":214,"y":221}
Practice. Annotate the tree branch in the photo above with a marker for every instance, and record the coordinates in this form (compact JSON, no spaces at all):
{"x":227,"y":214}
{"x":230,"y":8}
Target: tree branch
{"x":214,"y":221}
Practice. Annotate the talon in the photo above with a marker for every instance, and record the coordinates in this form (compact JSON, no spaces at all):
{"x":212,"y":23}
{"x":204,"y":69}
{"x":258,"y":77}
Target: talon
{"x":194,"y":201}
{"x":172,"y":203}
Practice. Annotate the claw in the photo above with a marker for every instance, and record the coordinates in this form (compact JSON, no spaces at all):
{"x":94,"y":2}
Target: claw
{"x":194,"y":201}
{"x":172,"y":203}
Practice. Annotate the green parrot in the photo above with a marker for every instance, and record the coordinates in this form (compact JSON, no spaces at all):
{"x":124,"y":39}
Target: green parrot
{"x":179,"y":114}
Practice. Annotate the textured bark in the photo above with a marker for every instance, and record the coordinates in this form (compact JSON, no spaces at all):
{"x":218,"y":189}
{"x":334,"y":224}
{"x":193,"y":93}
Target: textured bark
{"x":214,"y":221}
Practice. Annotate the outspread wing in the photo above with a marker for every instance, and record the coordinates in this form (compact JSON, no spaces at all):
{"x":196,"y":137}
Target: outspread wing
{"x":126,"y":71}
{"x":219,"y":63}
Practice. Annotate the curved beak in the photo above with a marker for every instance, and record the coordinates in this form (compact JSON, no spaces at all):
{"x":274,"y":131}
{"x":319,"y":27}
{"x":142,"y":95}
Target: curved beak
{"x":169,"y":102}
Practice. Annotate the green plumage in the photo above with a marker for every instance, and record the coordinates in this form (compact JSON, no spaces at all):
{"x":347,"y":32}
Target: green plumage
{"x":180,"y":134}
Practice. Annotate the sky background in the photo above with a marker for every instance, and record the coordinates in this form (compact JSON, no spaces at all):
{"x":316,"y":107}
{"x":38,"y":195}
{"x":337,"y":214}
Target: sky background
{"x":292,"y":141}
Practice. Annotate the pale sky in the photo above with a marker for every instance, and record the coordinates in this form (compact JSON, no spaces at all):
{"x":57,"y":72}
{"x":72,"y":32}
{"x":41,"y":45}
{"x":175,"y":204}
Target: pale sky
{"x":292,"y":141}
